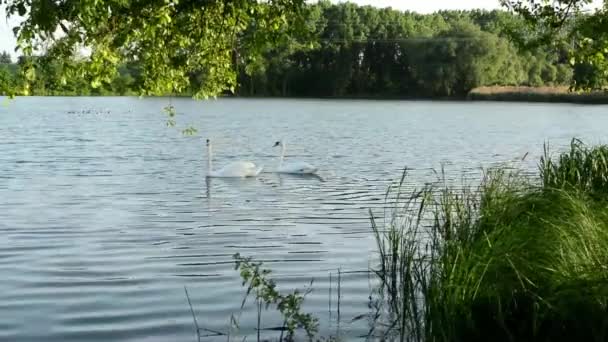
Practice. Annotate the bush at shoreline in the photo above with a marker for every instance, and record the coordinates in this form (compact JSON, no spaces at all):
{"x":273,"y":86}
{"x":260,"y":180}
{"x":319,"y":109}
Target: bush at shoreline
{"x":537,"y":94}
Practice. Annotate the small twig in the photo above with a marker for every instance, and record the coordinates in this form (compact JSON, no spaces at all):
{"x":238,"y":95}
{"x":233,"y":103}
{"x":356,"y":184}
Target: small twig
{"x":212,"y":333}
{"x":259,"y":317}
{"x":233,"y":322}
{"x":309,"y":289}
{"x":198,"y":329}
{"x":283,"y":330}
{"x":339,"y":292}
{"x":198,"y":334}
{"x":330,"y":275}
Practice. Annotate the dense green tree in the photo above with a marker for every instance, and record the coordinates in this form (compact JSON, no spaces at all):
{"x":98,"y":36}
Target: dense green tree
{"x":5,"y":58}
{"x":588,"y":75}
{"x":122,"y":84}
{"x":7,"y":79}
{"x":564,"y":23}
{"x":339,"y":50}
{"x":170,"y":39}
{"x":462,"y":58}
{"x":564,"y":74}
{"x":549,"y":74}
{"x":366,"y":51}
{"x":534,"y":74}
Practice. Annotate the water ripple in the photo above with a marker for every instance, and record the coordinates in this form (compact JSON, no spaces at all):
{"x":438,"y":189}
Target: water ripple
{"x":105,"y":218}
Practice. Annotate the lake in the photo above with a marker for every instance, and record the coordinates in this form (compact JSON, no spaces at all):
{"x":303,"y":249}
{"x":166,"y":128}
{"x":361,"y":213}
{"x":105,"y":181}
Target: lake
{"x":106,"y":214}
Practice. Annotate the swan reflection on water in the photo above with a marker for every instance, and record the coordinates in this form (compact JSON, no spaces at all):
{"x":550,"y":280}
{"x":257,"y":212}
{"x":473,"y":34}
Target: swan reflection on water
{"x":231,"y":182}
{"x":301,"y":176}
{"x":264,"y":177}
{"x":235,"y":169}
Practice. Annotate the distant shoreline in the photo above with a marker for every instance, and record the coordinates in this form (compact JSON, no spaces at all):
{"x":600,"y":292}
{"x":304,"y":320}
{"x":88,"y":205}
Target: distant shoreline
{"x":559,"y":94}
{"x":537,"y":94}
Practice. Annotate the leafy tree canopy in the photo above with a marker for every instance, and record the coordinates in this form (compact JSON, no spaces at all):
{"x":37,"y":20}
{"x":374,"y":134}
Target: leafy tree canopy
{"x":169,"y":39}
{"x":355,"y":51}
{"x":288,"y":48}
{"x":566,"y":21}
{"x":5,"y":58}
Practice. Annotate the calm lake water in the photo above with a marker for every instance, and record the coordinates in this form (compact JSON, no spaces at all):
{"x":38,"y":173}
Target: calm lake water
{"x":105,"y":213}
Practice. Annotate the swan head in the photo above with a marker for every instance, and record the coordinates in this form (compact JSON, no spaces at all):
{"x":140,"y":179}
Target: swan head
{"x":278,"y":143}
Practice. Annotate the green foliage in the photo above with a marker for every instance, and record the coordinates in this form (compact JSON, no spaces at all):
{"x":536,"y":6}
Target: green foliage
{"x":170,"y":111}
{"x":5,"y":58}
{"x":508,"y":260}
{"x":321,"y":49}
{"x":190,"y":130}
{"x":462,"y":58}
{"x":535,"y":75}
{"x":582,"y":168}
{"x":6,"y":78}
{"x":564,"y":74}
{"x":366,"y":51}
{"x":565,"y":23}
{"x":549,"y":74}
{"x":587,"y":75}
{"x":265,"y":290}
{"x":169,"y":39}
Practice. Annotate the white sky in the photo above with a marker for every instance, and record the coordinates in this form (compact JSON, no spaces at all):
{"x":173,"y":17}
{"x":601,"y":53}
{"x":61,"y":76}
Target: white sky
{"x":429,"y":6}
{"x":7,"y":40}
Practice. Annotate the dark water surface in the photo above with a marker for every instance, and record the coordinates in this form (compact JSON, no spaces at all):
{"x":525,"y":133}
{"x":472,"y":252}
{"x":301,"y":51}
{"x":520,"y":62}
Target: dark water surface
{"x":105,"y":213}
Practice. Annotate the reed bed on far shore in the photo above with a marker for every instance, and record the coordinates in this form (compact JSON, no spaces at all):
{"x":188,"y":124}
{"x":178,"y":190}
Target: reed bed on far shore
{"x":537,"y":94}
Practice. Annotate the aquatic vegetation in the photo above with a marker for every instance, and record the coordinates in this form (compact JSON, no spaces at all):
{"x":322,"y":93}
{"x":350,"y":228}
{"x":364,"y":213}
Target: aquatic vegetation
{"x":582,"y":168}
{"x":555,"y":94}
{"x":259,"y":283}
{"x":266,"y":293}
{"x":507,"y":259}
{"x":266,"y":296}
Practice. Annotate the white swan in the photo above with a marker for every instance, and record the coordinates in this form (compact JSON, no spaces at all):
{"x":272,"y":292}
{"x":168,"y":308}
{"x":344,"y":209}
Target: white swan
{"x":295,"y":167}
{"x":237,"y":169}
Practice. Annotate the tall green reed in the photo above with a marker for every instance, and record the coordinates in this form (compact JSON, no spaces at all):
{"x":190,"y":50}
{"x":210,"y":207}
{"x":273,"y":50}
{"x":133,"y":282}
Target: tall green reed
{"x":503,"y":260}
{"x":582,"y":168}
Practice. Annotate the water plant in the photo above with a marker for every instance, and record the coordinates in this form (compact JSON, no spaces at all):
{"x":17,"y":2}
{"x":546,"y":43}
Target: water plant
{"x":507,"y":259}
{"x":582,"y":168}
{"x":259,"y":283}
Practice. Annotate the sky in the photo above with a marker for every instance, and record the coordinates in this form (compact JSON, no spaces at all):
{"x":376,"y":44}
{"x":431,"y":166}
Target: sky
{"x":7,"y":40}
{"x":429,"y":6}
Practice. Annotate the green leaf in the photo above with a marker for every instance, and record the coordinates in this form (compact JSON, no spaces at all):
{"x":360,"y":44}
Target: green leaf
{"x":21,"y":9}
{"x":30,"y":74}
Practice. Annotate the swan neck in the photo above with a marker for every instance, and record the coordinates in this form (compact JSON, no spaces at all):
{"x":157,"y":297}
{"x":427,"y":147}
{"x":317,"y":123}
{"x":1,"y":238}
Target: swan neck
{"x":209,"y":159}
{"x":282,"y":154}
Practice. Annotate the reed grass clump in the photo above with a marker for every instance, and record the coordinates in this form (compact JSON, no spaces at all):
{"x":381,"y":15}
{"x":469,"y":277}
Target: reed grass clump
{"x":582,"y":168}
{"x":507,"y":260}
{"x":536,"y":94}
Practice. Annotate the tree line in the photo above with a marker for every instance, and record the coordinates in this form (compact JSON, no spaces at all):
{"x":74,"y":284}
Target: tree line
{"x":348,"y":50}
{"x":367,"y":51}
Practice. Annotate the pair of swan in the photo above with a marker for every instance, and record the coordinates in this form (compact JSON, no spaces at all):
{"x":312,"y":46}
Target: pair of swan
{"x":241,"y":169}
